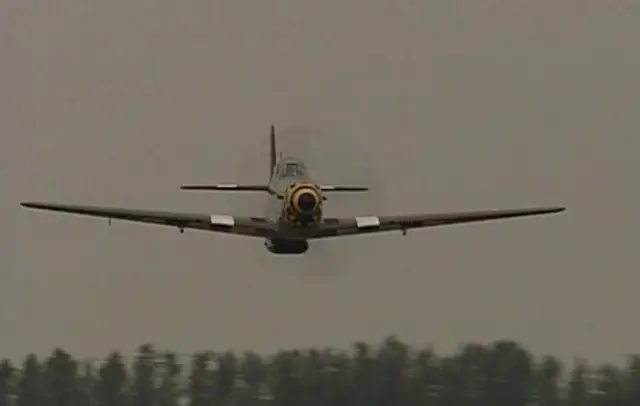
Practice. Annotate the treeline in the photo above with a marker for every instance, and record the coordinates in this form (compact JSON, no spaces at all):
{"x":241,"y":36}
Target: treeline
{"x":391,"y":373}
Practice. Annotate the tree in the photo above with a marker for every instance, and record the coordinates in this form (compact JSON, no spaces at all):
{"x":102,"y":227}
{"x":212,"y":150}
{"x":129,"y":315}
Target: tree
{"x":111,"y":386}
{"x":337,"y":378}
{"x":254,"y":373}
{"x":87,"y":380}
{"x":463,"y":380}
{"x":609,"y":386}
{"x":501,"y":373}
{"x":200,"y":387}
{"x":169,"y":391}
{"x":579,"y":389}
{"x":423,"y":378}
{"x":144,"y":388}
{"x":547,"y":382}
{"x":363,"y":386}
{"x":60,"y":379}
{"x":633,"y":382}
{"x":392,"y":365}
{"x":507,"y":375}
{"x":30,"y":386}
{"x":224,"y":376}
{"x":285,"y":384}
{"x":7,"y":373}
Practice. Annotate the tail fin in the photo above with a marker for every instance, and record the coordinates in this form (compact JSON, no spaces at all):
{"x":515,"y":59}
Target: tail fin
{"x":245,"y":187}
{"x":272,"y":150}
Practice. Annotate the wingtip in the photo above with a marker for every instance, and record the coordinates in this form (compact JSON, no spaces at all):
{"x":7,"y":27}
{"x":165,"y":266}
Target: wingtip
{"x":41,"y":205}
{"x":33,"y":205}
{"x":553,"y":210}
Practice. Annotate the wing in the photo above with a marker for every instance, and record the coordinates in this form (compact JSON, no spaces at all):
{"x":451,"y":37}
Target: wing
{"x":247,"y":226}
{"x":336,"y":227}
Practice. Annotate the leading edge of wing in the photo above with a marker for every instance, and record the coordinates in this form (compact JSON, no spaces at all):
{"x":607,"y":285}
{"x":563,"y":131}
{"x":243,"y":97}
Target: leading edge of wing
{"x":335,"y":227}
{"x":247,"y":226}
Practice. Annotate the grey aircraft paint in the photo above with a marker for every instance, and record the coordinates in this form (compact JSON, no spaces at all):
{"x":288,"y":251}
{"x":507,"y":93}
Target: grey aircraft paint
{"x":293,"y":213}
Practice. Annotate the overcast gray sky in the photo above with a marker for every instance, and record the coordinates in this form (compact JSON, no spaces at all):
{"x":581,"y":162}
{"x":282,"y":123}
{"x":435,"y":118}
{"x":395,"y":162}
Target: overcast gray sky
{"x":438,"y":106}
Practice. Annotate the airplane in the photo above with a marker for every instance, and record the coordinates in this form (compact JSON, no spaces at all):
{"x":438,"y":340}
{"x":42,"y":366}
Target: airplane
{"x":294,"y":211}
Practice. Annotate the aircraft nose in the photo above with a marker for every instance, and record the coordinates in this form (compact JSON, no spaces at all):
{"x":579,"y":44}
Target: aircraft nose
{"x":307,"y":201}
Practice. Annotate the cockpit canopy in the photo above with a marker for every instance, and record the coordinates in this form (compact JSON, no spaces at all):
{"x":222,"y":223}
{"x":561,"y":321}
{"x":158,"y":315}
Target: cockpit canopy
{"x":291,"y":168}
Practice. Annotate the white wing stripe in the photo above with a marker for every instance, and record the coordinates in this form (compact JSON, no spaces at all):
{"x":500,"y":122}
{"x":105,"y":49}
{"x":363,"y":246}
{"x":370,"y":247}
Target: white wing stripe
{"x":367,"y":222}
{"x":220,"y":220}
{"x":227,"y":186}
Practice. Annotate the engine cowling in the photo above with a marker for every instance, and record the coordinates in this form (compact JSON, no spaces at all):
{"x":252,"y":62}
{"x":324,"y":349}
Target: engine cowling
{"x":287,"y":246}
{"x":303,"y":203}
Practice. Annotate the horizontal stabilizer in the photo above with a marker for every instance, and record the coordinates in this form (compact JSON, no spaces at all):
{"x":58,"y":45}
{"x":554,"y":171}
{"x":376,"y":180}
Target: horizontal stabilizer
{"x":331,"y":188}
{"x":228,"y":187}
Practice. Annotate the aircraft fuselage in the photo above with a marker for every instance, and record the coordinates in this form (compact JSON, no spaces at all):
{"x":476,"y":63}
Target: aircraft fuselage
{"x":295,"y":206}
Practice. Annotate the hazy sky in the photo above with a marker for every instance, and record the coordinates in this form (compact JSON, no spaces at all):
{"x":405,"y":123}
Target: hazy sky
{"x":438,"y":106}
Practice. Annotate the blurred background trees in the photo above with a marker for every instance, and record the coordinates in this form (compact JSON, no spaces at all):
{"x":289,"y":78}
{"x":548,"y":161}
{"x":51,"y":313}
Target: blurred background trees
{"x":391,"y":373}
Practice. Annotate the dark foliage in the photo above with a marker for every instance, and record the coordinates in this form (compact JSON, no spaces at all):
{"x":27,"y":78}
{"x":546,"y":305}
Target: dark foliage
{"x":393,"y":373}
